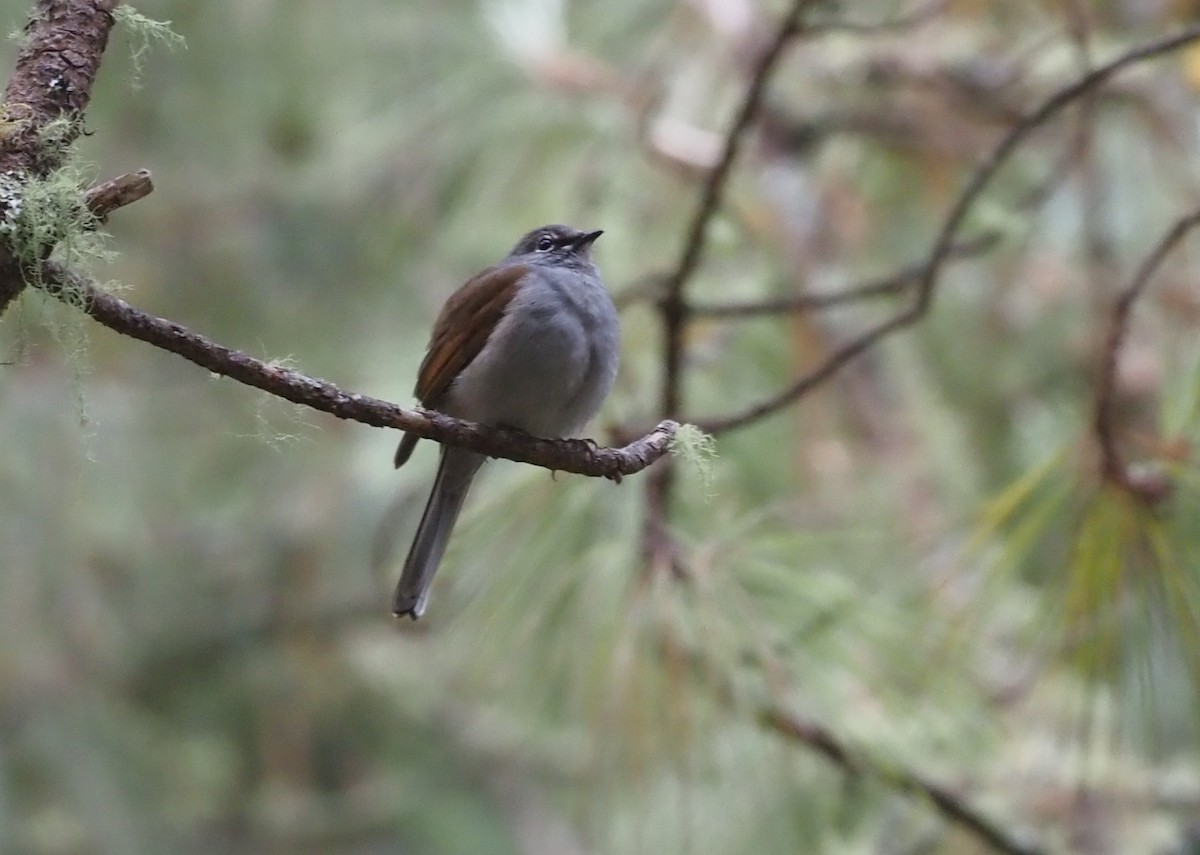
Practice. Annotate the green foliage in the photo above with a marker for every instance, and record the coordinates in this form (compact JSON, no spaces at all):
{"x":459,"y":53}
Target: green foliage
{"x":1121,"y":604}
{"x":50,"y":211}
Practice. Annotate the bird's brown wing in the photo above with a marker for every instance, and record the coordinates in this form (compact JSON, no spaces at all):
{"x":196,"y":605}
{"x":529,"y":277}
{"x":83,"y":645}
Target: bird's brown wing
{"x":459,"y":333}
{"x":463,"y":328}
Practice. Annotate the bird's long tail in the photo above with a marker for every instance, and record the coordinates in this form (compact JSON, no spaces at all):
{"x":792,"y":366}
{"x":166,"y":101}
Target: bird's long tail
{"x":455,"y":473}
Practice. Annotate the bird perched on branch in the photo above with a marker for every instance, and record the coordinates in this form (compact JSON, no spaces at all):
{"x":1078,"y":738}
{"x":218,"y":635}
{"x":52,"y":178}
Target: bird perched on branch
{"x":530,"y":344}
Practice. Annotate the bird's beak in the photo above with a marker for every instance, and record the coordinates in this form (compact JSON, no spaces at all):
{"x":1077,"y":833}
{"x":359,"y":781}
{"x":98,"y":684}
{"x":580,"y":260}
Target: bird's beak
{"x":584,"y":241}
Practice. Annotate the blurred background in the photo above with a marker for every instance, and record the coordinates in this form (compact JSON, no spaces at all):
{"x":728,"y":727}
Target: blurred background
{"x":918,"y":559}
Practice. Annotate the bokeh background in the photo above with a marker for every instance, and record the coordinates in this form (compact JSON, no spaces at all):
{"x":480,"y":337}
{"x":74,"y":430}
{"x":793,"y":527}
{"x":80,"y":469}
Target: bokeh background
{"x":196,"y":653}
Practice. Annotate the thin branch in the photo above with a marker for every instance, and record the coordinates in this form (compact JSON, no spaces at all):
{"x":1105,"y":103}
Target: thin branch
{"x":674,"y":309}
{"x":657,"y":547}
{"x":1150,"y":488}
{"x":885,"y":286}
{"x":947,"y":803}
{"x":60,"y":54}
{"x":944,"y":243}
{"x":836,"y":361}
{"x":568,"y":455}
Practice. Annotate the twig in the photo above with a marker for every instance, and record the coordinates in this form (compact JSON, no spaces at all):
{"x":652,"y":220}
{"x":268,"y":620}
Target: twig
{"x":947,"y":803}
{"x":569,"y":455}
{"x":885,"y":286}
{"x":118,"y":192}
{"x":55,"y":69}
{"x":945,"y":239}
{"x":1151,"y":488}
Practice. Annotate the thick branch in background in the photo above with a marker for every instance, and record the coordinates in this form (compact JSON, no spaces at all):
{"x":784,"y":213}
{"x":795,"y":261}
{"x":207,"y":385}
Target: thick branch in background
{"x":1150,"y":487}
{"x":567,"y":455}
{"x":52,"y":82}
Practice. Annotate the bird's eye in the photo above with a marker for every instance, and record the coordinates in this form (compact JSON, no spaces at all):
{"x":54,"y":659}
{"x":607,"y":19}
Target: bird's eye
{"x":545,"y":243}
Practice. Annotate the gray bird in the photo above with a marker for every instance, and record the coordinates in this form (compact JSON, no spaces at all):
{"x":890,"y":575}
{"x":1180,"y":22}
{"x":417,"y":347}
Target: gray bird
{"x":531,"y":344}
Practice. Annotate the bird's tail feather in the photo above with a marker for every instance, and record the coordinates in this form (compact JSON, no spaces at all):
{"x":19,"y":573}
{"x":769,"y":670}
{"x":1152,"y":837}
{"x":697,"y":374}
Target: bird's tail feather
{"x":455,"y":473}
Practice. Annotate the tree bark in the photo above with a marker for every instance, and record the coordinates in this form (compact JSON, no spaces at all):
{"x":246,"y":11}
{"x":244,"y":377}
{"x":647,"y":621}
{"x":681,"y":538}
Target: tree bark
{"x":63,"y":43}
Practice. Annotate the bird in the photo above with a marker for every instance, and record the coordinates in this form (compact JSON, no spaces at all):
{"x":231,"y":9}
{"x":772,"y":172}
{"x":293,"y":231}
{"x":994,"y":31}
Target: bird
{"x":530,"y":344}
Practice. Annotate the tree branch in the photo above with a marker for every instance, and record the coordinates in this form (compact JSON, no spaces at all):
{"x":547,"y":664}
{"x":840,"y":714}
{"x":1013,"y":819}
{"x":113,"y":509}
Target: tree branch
{"x":673,"y":309}
{"x":885,"y":286}
{"x":63,"y":43}
{"x":567,"y":455}
{"x":944,"y":243}
{"x":106,"y":197}
{"x":946,"y":802}
{"x":1152,"y":488}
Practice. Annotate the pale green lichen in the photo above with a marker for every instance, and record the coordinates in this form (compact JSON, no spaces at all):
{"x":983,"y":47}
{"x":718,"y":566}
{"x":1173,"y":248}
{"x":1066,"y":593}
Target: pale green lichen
{"x":39,"y":213}
{"x":144,"y":33}
{"x":699,"y":451}
{"x":270,"y":410}
{"x":51,"y":211}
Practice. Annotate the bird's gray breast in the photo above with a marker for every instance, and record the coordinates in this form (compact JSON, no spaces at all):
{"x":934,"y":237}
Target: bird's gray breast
{"x":551,"y":360}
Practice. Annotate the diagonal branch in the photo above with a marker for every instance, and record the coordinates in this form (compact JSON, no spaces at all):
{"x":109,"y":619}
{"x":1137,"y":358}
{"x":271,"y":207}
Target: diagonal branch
{"x":944,"y":243}
{"x":1151,"y":488}
{"x":825,"y":743}
{"x":571,"y":455}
